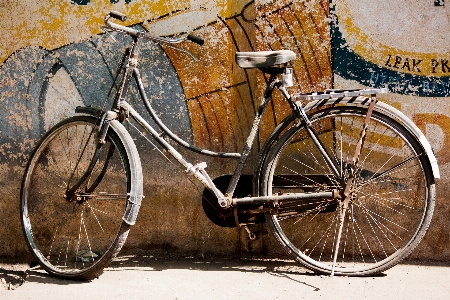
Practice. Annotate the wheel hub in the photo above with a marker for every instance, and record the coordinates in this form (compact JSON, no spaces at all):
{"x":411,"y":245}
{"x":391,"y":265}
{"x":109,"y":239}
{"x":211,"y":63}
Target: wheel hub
{"x":347,"y":193}
{"x":76,"y":198}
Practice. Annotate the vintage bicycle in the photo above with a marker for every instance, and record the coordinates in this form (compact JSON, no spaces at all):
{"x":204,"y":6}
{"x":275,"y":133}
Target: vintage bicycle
{"x":345,"y":183}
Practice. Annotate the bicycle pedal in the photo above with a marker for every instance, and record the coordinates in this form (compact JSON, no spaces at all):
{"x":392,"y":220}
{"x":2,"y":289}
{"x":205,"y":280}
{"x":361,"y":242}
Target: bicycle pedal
{"x":86,"y":256}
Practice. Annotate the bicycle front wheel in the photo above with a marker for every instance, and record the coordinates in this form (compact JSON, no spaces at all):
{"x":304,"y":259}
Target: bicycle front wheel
{"x":71,"y":217}
{"x":390,"y":192}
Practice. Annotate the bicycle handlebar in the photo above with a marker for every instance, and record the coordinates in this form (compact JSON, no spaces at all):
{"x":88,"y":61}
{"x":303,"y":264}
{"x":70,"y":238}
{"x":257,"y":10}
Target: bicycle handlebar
{"x":145,"y":35}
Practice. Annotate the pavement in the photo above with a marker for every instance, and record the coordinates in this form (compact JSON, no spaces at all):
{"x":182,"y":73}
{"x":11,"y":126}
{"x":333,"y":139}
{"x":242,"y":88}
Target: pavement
{"x":149,"y":277}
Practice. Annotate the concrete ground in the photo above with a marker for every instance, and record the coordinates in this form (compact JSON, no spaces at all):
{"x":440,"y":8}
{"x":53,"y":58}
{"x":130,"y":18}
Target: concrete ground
{"x":148,"y":277}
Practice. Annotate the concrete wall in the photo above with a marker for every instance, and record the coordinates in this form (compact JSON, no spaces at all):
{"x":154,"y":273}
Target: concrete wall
{"x":56,"y":57}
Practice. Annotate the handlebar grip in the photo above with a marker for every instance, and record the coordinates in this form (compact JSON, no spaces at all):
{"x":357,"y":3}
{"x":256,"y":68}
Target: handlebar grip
{"x":118,"y":16}
{"x":196,"y":39}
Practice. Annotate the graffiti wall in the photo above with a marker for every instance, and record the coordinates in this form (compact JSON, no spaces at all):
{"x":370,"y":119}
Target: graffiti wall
{"x":58,"y":56}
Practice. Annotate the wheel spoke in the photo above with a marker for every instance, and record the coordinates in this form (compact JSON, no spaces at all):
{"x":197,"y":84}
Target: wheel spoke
{"x":386,"y":193}
{"x":67,"y":232}
{"x":338,"y":239}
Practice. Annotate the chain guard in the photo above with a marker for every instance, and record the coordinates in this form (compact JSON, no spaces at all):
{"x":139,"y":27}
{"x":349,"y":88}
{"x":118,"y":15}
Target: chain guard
{"x":225,"y":217}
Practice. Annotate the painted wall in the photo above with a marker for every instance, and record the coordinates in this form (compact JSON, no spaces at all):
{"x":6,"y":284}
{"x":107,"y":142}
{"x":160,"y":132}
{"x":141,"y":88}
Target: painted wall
{"x":403,"y":45}
{"x":57,"y":57}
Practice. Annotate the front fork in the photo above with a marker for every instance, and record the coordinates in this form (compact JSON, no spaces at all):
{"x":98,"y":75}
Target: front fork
{"x":71,"y":192}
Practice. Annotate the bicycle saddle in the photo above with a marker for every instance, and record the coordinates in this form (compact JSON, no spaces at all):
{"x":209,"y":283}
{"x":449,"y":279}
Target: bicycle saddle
{"x":261,"y":59}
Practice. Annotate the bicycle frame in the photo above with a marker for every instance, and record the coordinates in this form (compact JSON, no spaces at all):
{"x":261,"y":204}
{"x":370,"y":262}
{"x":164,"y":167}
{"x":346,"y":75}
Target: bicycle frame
{"x":377,"y":206}
{"x":198,"y":170}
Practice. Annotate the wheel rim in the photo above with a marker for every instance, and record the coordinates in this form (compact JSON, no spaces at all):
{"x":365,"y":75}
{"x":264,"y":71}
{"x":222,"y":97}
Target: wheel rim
{"x":70,"y":234}
{"x":385,"y":213}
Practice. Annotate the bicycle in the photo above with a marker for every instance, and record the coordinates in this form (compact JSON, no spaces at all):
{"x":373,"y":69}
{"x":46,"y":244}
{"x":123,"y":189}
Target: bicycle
{"x":346,"y":183}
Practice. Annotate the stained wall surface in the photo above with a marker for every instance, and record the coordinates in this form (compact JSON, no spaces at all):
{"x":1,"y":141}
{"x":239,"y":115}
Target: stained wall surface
{"x":401,"y":45}
{"x":55,"y":56}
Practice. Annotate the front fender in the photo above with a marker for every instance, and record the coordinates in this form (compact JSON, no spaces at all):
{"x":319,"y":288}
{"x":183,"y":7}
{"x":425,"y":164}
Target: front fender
{"x":136,"y":192}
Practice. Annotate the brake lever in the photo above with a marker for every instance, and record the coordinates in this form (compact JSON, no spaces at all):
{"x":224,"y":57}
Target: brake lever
{"x":185,"y":51}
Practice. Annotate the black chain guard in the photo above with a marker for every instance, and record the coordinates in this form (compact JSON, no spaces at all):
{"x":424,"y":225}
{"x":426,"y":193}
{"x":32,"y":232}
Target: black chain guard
{"x":225,"y":217}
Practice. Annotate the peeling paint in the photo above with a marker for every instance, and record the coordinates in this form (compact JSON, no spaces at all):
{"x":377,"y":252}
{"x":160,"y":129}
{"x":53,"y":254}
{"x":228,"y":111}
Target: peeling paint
{"x":57,"y":58}
{"x":404,"y":48}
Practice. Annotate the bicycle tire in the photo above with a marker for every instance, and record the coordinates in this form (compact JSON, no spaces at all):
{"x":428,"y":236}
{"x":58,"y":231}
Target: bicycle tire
{"x":76,"y":236}
{"x":390,"y":211}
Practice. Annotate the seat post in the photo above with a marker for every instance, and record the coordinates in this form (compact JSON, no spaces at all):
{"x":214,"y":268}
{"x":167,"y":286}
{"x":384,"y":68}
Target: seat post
{"x":273,"y":82}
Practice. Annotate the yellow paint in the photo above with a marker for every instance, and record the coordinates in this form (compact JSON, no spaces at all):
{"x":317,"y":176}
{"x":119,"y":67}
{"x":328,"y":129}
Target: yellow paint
{"x":52,"y":24}
{"x":383,"y":55}
{"x":371,"y":137}
{"x":443,"y":121}
{"x":300,"y":26}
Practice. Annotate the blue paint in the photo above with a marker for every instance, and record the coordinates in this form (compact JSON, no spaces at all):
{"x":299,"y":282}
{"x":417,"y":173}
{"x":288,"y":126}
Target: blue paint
{"x":91,"y":66}
{"x":350,"y":65}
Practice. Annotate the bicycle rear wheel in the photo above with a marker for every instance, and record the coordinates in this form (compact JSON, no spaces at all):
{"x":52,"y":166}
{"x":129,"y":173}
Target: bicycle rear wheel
{"x":76,"y":234}
{"x":391,"y":198}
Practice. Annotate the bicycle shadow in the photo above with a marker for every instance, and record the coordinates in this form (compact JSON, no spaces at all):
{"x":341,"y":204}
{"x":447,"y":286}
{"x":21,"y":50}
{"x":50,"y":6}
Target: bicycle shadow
{"x":15,"y":274}
{"x":150,"y":263}
{"x":144,"y":264}
{"x":287,"y":269}
{"x":11,"y":279}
